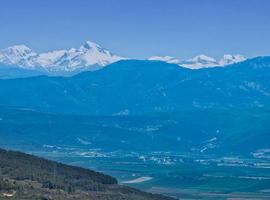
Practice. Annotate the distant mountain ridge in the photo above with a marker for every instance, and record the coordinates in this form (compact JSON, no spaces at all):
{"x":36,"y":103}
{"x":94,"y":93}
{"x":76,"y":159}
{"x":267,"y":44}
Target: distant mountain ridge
{"x":133,"y":87}
{"x":201,"y":61}
{"x":211,"y":110}
{"x":88,"y":57}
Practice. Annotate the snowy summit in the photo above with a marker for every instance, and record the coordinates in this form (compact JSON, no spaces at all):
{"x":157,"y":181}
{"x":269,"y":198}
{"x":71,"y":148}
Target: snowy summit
{"x":88,"y":56}
{"x":91,"y":56}
{"x":201,"y":61}
{"x":168,"y":59}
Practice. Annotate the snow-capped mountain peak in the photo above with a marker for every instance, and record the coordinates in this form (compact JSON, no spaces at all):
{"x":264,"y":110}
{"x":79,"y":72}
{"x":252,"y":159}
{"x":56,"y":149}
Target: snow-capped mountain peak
{"x":201,"y":61}
{"x":91,"y":53}
{"x":90,"y":45}
{"x":228,"y":59}
{"x":203,"y":58}
{"x":19,"y":49}
{"x":89,"y":56}
{"x":16,"y":55}
{"x":168,"y":59}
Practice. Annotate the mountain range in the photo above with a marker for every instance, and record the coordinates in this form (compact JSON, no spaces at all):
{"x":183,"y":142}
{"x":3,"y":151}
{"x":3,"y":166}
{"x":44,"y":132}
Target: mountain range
{"x":213,"y":99}
{"x":201,"y":61}
{"x":88,"y":57}
{"x":145,"y":106}
{"x":139,"y":87}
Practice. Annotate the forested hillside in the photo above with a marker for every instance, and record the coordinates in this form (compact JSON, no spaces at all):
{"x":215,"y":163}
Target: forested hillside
{"x":24,"y":176}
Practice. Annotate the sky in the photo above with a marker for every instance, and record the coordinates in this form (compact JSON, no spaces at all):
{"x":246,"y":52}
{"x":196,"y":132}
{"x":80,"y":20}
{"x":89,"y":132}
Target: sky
{"x":140,"y":28}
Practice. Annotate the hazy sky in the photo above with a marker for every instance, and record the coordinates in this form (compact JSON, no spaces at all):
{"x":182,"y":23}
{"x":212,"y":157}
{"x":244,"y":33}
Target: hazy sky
{"x":140,"y":28}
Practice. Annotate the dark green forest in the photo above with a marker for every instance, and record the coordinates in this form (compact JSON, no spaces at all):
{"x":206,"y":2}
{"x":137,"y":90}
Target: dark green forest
{"x":24,"y":176}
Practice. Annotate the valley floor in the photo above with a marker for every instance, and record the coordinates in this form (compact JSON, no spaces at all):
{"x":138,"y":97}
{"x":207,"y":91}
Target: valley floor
{"x":184,"y":176}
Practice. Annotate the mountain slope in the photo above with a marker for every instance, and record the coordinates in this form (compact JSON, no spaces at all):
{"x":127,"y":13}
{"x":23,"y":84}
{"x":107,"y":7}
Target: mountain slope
{"x":11,"y":72}
{"x":143,"y":87}
{"x":25,"y":176}
{"x":194,"y":105}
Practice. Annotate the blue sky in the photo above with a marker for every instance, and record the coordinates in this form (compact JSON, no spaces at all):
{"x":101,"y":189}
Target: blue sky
{"x":140,"y":28}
